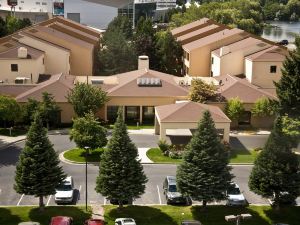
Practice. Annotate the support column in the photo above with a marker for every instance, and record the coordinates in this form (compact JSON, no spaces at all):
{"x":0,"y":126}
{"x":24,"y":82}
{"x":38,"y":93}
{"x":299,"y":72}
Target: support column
{"x":226,"y":132}
{"x":162,"y":132}
{"x":141,"y":115}
{"x":156,"y":125}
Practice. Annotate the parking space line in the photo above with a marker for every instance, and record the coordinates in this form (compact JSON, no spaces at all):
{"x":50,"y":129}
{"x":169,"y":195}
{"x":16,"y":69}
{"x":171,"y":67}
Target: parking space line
{"x":158,"y":194}
{"x":20,"y":199}
{"x":104,"y":202}
{"x":49,"y":200}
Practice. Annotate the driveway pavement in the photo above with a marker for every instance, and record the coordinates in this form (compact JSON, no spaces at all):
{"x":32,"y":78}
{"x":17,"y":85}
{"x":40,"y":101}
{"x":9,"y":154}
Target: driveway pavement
{"x":155,"y":173}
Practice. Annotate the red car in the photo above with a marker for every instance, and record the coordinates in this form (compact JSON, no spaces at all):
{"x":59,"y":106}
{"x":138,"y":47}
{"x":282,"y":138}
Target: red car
{"x":94,"y":222}
{"x":61,"y":220}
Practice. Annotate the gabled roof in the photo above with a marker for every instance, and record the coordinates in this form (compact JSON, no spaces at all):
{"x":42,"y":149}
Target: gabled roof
{"x":127,"y":85}
{"x":200,"y":33}
{"x":232,"y":87}
{"x":189,"y":112}
{"x":245,"y":44}
{"x":15,"y":89}
{"x":41,"y":31}
{"x":272,"y":54}
{"x":12,"y":52}
{"x":198,"y":24}
{"x":213,"y":38}
{"x":58,"y":85}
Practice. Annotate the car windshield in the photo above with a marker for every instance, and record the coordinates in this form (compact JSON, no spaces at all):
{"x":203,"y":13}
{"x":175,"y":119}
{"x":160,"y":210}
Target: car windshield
{"x":172,"y":188}
{"x":234,"y":191}
{"x":64,"y":187}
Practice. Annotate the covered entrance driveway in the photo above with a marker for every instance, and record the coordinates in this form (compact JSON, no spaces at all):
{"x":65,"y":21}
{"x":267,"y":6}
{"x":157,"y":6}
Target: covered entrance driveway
{"x":181,"y":119}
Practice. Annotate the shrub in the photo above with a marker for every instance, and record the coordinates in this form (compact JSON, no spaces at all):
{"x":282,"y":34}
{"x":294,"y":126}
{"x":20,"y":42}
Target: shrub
{"x":164,"y":146}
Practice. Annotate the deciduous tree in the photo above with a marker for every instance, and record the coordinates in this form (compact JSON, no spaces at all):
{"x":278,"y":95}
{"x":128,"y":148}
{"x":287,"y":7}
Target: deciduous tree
{"x":87,"y":132}
{"x":201,"y":92}
{"x":86,"y":98}
{"x":38,"y":172}
{"x":234,"y":108}
{"x":204,"y":173}
{"x":121,"y":175}
{"x":9,"y":109}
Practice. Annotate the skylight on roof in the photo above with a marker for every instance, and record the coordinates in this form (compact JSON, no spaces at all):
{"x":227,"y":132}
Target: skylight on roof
{"x":148,"y":82}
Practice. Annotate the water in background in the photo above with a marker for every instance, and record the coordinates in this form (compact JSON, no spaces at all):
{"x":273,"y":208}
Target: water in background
{"x":281,"y":30}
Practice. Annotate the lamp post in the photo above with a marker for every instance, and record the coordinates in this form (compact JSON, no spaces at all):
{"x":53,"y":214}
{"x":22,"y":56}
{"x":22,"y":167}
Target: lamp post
{"x":238,"y":218}
{"x":86,"y":190}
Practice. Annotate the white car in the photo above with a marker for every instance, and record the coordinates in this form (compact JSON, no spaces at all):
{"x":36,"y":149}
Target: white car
{"x":65,"y":192}
{"x":235,"y":197}
{"x":125,"y":221}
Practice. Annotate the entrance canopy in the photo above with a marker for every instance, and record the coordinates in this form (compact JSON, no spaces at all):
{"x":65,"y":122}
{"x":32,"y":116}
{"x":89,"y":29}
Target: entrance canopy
{"x":177,"y":119}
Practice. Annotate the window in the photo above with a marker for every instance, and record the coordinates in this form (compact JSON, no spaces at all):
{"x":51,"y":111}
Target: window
{"x":37,"y":3}
{"x":44,"y":3}
{"x":14,"y":67}
{"x":43,"y":61}
{"x":273,"y":69}
{"x":112,"y":113}
{"x":245,"y":118}
{"x":212,"y":60}
{"x":211,"y":73}
{"x":187,"y":70}
{"x":188,"y":56}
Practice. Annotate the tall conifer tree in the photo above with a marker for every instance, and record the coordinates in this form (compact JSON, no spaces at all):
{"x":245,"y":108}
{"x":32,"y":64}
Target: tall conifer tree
{"x":204,"y":173}
{"x":121,"y":175}
{"x":38,"y":172}
{"x":276,"y":169}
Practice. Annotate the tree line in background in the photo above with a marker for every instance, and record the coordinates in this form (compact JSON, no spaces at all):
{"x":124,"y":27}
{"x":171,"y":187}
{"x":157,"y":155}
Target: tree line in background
{"x":121,"y":46}
{"x":12,"y":24}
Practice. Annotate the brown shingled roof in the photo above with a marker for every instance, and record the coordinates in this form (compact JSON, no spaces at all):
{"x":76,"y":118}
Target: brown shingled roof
{"x":272,"y":54}
{"x":200,"y":33}
{"x":189,"y":112}
{"x":212,"y":38}
{"x":58,"y":85}
{"x":249,"y":42}
{"x":127,"y":85}
{"x":15,"y":89}
{"x":232,"y":87}
{"x":198,"y":24}
{"x":12,"y":53}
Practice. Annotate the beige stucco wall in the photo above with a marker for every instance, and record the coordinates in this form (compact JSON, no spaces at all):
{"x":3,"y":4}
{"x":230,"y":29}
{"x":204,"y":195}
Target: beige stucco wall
{"x":248,"y":69}
{"x":261,"y":75}
{"x":26,"y":67}
{"x":67,"y":112}
{"x":200,"y":59}
{"x":81,"y":58}
{"x":216,"y":66}
{"x":163,"y":126}
{"x":56,"y":59}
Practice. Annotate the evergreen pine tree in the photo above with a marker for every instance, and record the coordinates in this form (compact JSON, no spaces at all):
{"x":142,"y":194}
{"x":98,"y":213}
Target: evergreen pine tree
{"x":276,"y":169}
{"x":288,"y":88}
{"x":38,"y":172}
{"x":204,"y":174}
{"x":121,"y":175}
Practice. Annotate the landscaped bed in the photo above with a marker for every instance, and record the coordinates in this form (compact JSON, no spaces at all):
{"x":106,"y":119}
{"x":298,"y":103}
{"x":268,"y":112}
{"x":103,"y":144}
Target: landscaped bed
{"x":15,"y":215}
{"x":236,"y":156}
{"x":14,"y":132}
{"x":214,"y":215}
{"x":78,"y":155}
{"x":135,"y":127}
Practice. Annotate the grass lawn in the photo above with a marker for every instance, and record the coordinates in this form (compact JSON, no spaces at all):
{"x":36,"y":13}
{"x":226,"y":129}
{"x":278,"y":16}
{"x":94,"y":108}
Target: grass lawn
{"x":237,"y":156}
{"x":15,"y":215}
{"x":78,"y":155}
{"x":172,"y":215}
{"x":14,"y":132}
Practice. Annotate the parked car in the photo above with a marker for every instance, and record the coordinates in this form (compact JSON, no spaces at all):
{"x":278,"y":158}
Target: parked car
{"x":61,"y":220}
{"x":172,"y":194}
{"x":191,"y":222}
{"x":283,"y":42}
{"x":65,"y":192}
{"x":94,"y":222}
{"x":235,"y":197}
{"x":115,"y":201}
{"x":29,"y":223}
{"x":125,"y":221}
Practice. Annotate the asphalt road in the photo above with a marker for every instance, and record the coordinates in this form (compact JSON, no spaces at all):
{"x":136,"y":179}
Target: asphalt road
{"x":155,"y":173}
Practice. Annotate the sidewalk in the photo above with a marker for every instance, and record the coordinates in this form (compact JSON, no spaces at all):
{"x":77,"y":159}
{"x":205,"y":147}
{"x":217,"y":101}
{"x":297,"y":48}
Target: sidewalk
{"x":249,"y":132}
{"x":6,"y":141}
{"x":141,"y":131}
{"x":143,"y":155}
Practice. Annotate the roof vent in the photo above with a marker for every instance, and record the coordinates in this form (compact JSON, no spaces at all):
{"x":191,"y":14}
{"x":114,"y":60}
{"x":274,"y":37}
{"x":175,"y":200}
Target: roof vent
{"x":97,"y":81}
{"x":262,"y":44}
{"x":33,"y":31}
{"x":224,"y":50}
{"x":148,"y":82}
{"x":22,"y":53}
{"x":8,"y":45}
